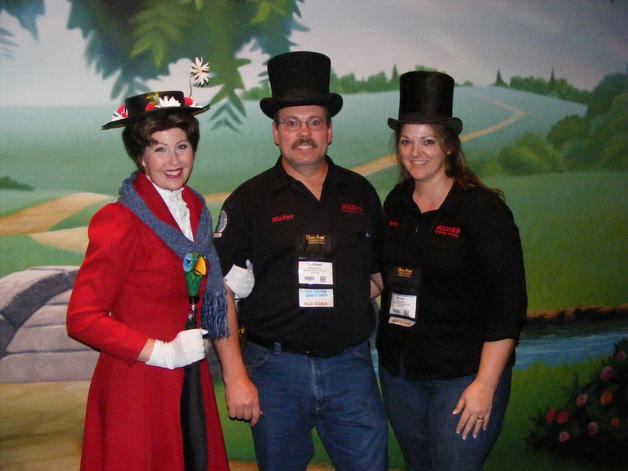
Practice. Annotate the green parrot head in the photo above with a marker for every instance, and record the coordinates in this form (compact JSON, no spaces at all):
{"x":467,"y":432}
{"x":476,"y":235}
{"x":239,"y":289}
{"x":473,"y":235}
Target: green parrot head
{"x":195,"y":269}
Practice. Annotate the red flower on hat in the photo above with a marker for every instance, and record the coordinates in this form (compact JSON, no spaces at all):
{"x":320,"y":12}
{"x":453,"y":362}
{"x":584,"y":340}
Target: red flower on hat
{"x":122,"y":111}
{"x":149,"y":107}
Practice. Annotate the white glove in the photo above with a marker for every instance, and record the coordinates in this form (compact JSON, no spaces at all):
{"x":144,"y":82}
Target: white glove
{"x":186,"y":348}
{"x":241,"y":280}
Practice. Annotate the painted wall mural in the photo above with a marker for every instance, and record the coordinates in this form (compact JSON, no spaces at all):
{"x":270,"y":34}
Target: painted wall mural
{"x":542,"y":89}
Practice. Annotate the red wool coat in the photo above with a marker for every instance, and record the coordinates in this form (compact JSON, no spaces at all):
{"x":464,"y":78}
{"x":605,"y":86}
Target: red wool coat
{"x":131,"y":288}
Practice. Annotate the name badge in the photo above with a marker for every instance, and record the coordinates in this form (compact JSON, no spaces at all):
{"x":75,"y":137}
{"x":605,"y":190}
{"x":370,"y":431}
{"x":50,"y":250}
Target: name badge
{"x":315,"y":273}
{"x":315,"y":297}
{"x":402,"y":309}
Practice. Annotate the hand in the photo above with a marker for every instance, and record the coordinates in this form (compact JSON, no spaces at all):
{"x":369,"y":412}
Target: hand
{"x":240,"y":280}
{"x":475,"y":407}
{"x":243,"y":400}
{"x":186,"y":348}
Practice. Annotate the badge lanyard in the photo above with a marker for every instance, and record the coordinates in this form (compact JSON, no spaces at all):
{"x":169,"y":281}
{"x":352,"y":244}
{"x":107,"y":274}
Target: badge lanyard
{"x":315,"y":271}
{"x":405,"y":282}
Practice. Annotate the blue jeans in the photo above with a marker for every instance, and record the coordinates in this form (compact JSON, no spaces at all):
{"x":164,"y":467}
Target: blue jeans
{"x":338,"y":396}
{"x":420,"y":413}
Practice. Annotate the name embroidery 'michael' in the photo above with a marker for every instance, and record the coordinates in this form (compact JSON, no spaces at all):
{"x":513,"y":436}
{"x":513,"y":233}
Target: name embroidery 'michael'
{"x":351,"y":208}
{"x":447,"y":231}
{"x":282,"y":218}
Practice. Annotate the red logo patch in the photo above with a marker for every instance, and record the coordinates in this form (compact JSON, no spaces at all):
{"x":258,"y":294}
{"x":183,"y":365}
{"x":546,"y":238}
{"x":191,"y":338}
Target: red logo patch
{"x":394,"y":224}
{"x":351,"y":208}
{"x":447,"y":231}
{"x":282,"y":218}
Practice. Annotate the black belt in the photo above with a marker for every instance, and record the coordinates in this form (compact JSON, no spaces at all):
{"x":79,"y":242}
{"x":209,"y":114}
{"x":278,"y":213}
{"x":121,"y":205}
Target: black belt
{"x":279,"y":347}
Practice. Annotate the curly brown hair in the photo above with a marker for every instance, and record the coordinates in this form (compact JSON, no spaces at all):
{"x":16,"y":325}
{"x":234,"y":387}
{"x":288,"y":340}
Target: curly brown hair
{"x":137,"y":135}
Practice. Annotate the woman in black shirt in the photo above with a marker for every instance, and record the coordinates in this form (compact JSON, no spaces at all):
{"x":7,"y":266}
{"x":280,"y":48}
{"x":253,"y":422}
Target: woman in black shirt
{"x":454,"y":296}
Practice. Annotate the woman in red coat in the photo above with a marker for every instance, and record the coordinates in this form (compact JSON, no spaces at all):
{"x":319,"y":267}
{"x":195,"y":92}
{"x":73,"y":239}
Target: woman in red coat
{"x":131,"y":302}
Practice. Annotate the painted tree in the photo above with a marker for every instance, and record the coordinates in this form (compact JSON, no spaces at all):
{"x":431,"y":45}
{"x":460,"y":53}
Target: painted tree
{"x":499,"y":82}
{"x":26,"y":13}
{"x":137,"y":41}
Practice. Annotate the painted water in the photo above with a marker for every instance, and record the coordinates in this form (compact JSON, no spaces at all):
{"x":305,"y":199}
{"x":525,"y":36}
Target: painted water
{"x":567,"y":344}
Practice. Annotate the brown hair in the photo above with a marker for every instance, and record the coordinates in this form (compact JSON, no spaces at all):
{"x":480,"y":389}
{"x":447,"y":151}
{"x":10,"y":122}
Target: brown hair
{"x":137,"y":135}
{"x":455,"y":164}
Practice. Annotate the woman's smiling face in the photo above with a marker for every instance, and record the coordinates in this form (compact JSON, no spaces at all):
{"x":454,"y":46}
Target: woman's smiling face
{"x":421,"y":152}
{"x":169,"y":158}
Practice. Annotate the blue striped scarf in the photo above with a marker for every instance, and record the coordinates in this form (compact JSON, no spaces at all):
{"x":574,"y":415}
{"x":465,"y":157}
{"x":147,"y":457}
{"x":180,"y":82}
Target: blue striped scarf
{"x":214,"y":311}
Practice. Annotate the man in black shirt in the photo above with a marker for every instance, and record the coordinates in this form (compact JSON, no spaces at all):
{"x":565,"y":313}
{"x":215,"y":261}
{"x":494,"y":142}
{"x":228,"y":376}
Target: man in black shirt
{"x":308,"y":227}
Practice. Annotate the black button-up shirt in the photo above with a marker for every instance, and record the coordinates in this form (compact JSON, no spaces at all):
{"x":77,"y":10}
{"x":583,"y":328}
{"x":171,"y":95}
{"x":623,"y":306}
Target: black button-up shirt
{"x":267,"y":218}
{"x":472,"y":286}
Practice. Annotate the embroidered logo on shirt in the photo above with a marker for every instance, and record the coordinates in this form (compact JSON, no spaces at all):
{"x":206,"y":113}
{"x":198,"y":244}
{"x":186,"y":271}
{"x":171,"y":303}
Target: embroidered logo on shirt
{"x":222,"y":224}
{"x":394,"y":224}
{"x":351,"y":208}
{"x":449,"y":231}
{"x":282,"y":218}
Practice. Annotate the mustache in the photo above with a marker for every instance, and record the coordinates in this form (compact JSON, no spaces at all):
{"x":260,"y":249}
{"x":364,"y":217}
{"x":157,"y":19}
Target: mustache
{"x":304,"y":140}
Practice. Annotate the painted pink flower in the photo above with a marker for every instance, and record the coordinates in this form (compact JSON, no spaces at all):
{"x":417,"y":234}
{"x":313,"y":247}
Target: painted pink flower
{"x":620,"y":355}
{"x":563,"y":436}
{"x":582,"y":400}
{"x":607,"y":373}
{"x":563,"y":417}
{"x":592,"y":428}
{"x":550,"y":415}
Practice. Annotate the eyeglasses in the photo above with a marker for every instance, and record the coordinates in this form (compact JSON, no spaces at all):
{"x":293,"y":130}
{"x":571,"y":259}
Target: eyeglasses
{"x":313,"y":124}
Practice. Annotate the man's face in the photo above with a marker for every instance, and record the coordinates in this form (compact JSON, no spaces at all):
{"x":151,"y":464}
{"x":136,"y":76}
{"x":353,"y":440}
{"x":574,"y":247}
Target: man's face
{"x":303,"y":145}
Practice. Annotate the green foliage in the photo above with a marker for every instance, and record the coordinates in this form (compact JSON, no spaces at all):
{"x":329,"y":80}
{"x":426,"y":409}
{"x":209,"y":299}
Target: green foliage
{"x":156,"y":27}
{"x":558,"y":88}
{"x":602,"y":96}
{"x":567,"y":129}
{"x":531,"y":154}
{"x":592,"y":423}
{"x":24,"y":11}
{"x":499,"y":81}
{"x":604,"y":145}
{"x":10,"y":184}
{"x":138,"y":41}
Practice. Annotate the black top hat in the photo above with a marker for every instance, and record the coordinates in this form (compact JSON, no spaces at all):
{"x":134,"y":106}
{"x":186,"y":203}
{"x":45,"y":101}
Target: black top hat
{"x":139,"y":106}
{"x":426,"y":97}
{"x":300,"y":79}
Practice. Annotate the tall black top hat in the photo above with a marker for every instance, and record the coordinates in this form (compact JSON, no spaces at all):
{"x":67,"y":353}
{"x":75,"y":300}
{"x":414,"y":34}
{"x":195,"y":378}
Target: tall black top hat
{"x":139,"y":106}
{"x":425,"y":98}
{"x":300,"y":79}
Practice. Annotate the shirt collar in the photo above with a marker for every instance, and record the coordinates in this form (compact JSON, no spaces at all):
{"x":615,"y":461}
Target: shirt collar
{"x":280,"y":179}
{"x":448,"y":206}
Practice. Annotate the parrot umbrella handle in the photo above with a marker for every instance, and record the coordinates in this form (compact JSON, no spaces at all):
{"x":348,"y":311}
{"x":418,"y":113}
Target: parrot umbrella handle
{"x":193,"y":426}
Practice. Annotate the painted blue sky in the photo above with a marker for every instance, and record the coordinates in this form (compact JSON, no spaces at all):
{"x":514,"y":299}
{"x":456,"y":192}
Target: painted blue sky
{"x":470,"y":39}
